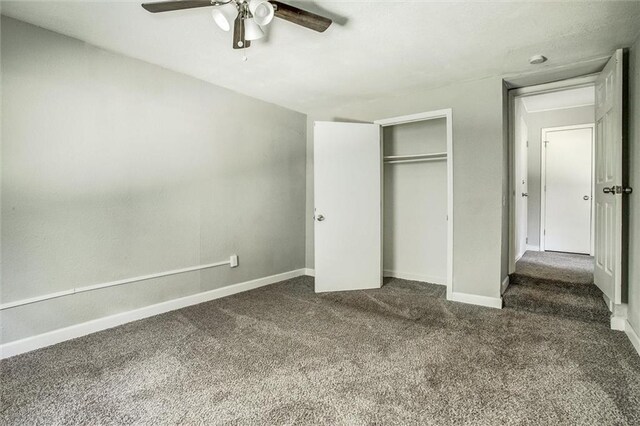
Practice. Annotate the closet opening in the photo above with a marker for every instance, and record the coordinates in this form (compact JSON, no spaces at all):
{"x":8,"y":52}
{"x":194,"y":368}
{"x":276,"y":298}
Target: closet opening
{"x":418,"y":198}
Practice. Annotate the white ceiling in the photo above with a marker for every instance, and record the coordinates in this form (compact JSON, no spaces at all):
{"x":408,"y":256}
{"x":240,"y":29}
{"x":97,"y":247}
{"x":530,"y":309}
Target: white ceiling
{"x":373,"y":49}
{"x":560,"y":100}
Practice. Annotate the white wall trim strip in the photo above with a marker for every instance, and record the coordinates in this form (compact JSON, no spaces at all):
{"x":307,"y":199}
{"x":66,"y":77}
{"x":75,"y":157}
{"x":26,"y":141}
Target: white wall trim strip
{"x":415,"y":277}
{"x":533,"y":248}
{"x":78,"y":330}
{"x":633,"y":336}
{"x":310,"y":272}
{"x":505,"y":284}
{"x":473,"y":299}
{"x":232,"y":261}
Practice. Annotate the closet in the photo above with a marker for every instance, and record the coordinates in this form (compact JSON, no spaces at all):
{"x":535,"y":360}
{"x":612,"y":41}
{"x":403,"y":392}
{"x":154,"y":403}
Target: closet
{"x":415,"y":200}
{"x":383,"y":201}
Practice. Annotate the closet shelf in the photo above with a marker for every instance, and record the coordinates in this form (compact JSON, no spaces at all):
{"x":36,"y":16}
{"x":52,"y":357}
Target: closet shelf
{"x":412,"y":158}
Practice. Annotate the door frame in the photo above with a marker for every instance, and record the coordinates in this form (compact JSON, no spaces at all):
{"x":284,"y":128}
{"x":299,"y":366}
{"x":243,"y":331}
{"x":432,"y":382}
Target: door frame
{"x":556,"y":86}
{"x":543,"y":180}
{"x":425,"y":116}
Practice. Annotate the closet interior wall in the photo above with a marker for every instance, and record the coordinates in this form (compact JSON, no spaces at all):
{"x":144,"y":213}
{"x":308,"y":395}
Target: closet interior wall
{"x":415,"y":202}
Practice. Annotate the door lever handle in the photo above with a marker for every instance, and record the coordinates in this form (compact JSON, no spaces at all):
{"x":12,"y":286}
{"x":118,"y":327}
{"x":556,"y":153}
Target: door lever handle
{"x":611,"y":190}
{"x":319,"y":218}
{"x":525,"y":194}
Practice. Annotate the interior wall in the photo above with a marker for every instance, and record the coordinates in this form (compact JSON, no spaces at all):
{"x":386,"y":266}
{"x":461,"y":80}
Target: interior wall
{"x":536,"y":121}
{"x":478,"y":144}
{"x":415,"y":203}
{"x":114,"y":168}
{"x":634,"y":182}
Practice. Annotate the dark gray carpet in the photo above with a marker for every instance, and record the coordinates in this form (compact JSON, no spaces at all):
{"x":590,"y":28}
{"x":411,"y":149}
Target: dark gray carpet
{"x":556,"y":284}
{"x":285,"y":355}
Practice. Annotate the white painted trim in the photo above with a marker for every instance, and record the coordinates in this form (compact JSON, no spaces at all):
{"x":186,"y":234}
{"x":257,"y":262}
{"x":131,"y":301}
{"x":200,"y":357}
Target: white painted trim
{"x":533,"y":248}
{"x":618,"y":323}
{"x":22,"y":302}
{"x":633,"y":336}
{"x":415,"y":277}
{"x":543,"y":179}
{"x":618,"y":316}
{"x":432,"y":115}
{"x":505,"y":284}
{"x":310,"y":272}
{"x":555,"y":86}
{"x":78,"y":330}
{"x":473,"y":299}
{"x":404,"y":119}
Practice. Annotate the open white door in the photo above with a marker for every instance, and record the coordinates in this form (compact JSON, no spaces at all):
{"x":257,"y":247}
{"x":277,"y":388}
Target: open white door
{"x":348,"y":206}
{"x":608,"y":184}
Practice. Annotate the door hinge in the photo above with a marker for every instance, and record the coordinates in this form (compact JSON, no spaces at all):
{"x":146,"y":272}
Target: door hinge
{"x":526,"y":240}
{"x":527,"y":144}
{"x":545,"y":143}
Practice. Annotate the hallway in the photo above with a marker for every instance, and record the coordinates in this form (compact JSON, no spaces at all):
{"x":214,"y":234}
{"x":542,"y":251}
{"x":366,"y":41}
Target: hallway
{"x":559,"y":284}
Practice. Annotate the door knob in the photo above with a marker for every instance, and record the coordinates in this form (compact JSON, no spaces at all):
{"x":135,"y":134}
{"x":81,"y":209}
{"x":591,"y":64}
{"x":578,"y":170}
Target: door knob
{"x":319,"y":218}
{"x":611,"y":190}
{"x":586,"y":198}
{"x":525,"y":194}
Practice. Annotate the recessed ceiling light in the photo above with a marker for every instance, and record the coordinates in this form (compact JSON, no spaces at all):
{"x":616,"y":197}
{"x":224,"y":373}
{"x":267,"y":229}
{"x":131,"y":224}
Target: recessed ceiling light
{"x":537,"y":59}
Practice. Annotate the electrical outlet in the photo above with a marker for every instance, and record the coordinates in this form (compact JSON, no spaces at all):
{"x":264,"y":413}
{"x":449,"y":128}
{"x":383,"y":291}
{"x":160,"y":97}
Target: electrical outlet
{"x":233,"y":261}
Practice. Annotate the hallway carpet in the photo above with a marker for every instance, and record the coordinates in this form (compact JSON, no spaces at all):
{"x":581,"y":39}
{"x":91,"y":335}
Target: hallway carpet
{"x":556,"y":284}
{"x":284,"y":355}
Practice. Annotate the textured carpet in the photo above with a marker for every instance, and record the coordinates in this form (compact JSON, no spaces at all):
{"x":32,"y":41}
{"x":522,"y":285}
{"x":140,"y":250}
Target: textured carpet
{"x":556,"y":284}
{"x":285,"y":355}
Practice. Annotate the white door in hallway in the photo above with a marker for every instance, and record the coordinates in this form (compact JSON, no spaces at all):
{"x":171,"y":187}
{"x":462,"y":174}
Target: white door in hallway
{"x":609,"y":190}
{"x":347,"y":206}
{"x":567,"y":187}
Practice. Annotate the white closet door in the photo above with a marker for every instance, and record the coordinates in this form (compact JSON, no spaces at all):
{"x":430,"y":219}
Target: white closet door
{"x":348,"y":206}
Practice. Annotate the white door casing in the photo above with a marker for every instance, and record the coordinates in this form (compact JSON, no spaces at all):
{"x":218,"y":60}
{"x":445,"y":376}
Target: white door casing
{"x":566,"y":189}
{"x":522,"y":188}
{"x":348,"y":206}
{"x":608,"y":177}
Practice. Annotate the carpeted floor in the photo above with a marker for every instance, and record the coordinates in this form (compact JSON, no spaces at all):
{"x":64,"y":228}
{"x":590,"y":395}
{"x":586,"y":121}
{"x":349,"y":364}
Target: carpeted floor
{"x":556,"y":284}
{"x":285,"y":355}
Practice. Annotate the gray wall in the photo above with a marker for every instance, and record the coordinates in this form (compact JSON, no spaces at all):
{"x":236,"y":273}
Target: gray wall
{"x":535,"y":123}
{"x":415,"y":202}
{"x":634,"y":199}
{"x":478,"y":171}
{"x":114,"y":168}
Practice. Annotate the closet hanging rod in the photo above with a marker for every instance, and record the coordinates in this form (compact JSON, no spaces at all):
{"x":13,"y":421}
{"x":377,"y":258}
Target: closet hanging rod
{"x":435,"y":155}
{"x":415,"y":160}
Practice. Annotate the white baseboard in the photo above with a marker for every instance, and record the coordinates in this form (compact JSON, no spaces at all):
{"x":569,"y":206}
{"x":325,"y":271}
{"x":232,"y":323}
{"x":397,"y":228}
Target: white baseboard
{"x":504,"y":285}
{"x":533,"y":248}
{"x":618,"y":316}
{"x":618,"y":323}
{"x":473,"y":299}
{"x":633,"y":336}
{"x":310,"y":272}
{"x":415,"y":277}
{"x":78,"y":330}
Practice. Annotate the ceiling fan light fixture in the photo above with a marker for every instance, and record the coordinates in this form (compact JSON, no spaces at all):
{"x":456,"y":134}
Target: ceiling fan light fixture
{"x":224,"y":15}
{"x":252,"y":30}
{"x":262,"y":11}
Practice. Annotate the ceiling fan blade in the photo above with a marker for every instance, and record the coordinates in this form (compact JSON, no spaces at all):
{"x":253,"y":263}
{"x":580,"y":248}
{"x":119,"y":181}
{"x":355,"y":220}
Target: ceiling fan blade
{"x":167,"y":6}
{"x":239,"y":41}
{"x":300,"y":17}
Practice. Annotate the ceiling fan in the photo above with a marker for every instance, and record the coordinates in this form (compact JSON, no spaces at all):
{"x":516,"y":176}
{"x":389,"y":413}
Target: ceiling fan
{"x":247,"y":15}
